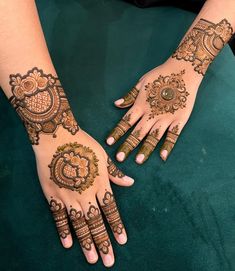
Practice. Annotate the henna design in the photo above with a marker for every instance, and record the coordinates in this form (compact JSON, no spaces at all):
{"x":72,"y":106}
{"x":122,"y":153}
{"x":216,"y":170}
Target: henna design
{"x":166,"y":94}
{"x":60,"y":216}
{"x":96,"y":225}
{"x":41,"y":103}
{"x":113,"y":170}
{"x":74,"y":167}
{"x":171,"y":139}
{"x":130,"y":97}
{"x":111,"y":212}
{"x":149,"y":144}
{"x":131,"y":143}
{"x":203,"y":43}
{"x":81,"y":228}
{"x":121,"y":128}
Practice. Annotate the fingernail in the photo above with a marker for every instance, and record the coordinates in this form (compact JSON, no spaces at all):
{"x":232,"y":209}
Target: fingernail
{"x":110,"y":140}
{"x":67,"y":242}
{"x":164,"y":154}
{"x":128,"y":179}
{"x":108,"y":260}
{"x":92,"y":256}
{"x":120,"y":156}
{"x":119,"y":102}
{"x":122,"y":238}
{"x":140,"y":158}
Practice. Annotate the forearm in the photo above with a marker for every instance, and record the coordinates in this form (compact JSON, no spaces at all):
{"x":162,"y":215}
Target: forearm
{"x":27,"y":74}
{"x":210,"y":31}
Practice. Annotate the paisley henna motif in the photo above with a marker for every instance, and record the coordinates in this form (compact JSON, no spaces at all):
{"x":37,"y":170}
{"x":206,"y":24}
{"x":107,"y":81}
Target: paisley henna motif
{"x":41,"y":103}
{"x":74,"y":167}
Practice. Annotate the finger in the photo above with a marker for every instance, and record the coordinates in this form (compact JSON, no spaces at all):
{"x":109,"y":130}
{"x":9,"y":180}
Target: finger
{"x":151,"y":141}
{"x":60,"y":216}
{"x":98,"y":231}
{"x":117,"y":176}
{"x":133,"y":140}
{"x":171,"y":138}
{"x":130,"y":118}
{"x":128,"y":99}
{"x":110,"y":210}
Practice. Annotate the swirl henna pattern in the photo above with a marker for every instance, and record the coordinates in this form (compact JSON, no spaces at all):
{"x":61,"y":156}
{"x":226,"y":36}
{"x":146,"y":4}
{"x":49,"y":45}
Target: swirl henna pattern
{"x":74,"y":167}
{"x":203,"y":43}
{"x":166,"y":94}
{"x":41,"y":103}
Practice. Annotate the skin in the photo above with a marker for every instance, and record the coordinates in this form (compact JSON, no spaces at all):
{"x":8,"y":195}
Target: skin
{"x":21,"y":49}
{"x":137,"y":100}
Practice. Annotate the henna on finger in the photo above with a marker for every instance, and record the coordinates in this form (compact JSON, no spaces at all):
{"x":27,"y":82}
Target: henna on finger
{"x":60,"y":216}
{"x":149,"y":144}
{"x":110,"y":210}
{"x":203,"y":43}
{"x":121,"y":128}
{"x":131,"y":143}
{"x":81,"y":228}
{"x":113,"y":170}
{"x":74,"y":167}
{"x":41,"y":103}
{"x":97,"y":228}
{"x":170,"y":140}
{"x":130,"y":97}
{"x":166,"y":94}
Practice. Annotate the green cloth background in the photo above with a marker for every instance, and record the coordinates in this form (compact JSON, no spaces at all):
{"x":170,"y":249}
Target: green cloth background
{"x":180,"y":215}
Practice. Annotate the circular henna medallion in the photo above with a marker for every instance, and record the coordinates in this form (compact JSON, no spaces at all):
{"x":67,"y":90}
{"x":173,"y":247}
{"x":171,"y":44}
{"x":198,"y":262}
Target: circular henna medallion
{"x":166,"y":94}
{"x":74,"y":167}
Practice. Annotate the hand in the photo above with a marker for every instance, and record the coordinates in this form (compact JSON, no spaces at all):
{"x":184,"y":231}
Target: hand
{"x":75,"y":181}
{"x":162,"y":100}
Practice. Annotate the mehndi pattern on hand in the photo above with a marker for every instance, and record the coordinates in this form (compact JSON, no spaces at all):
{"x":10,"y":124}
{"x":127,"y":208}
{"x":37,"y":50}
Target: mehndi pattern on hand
{"x":203,"y":43}
{"x":41,"y":103}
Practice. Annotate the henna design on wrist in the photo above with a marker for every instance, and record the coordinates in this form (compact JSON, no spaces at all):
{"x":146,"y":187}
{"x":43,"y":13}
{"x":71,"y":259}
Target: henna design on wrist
{"x":41,"y":103}
{"x":203,"y":43}
{"x":110,"y":210}
{"x":113,"y":170}
{"x":130,"y":97}
{"x":131,"y":143}
{"x":149,"y":144}
{"x":121,"y":128}
{"x":170,"y":140}
{"x":74,"y":167}
{"x":60,"y":216}
{"x":81,"y":228}
{"x":166,"y":94}
{"x":96,"y":225}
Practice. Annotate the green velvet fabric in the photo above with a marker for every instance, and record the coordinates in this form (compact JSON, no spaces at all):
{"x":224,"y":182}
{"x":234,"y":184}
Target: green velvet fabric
{"x":179,"y":215}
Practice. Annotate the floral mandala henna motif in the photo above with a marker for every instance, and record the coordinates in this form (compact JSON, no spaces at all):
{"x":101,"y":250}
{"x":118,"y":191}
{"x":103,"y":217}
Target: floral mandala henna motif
{"x":74,"y":167}
{"x":81,"y":228}
{"x":41,"y":103}
{"x":203,"y":43}
{"x":121,"y":127}
{"x":97,"y":228}
{"x":171,"y":139}
{"x":60,"y":216}
{"x":113,"y":170}
{"x":111,"y":212}
{"x":166,"y":94}
{"x":131,"y":142}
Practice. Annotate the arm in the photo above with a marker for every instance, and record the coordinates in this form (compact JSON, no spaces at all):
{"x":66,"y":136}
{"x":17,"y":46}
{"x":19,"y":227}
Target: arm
{"x":163,"y":99}
{"x":73,"y":169}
